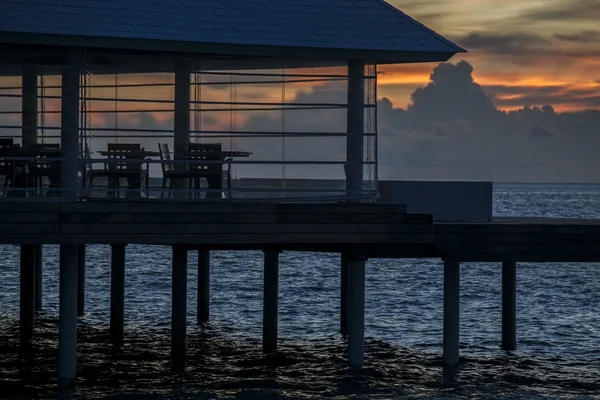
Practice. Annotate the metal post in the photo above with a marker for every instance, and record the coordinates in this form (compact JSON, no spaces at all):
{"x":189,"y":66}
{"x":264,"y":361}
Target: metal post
{"x":69,"y":136}
{"x":270,"y":300}
{"x":203,"y":285}
{"x":451,"y":312}
{"x":39,"y":264}
{"x":356,"y":321}
{"x":29,"y":106}
{"x":509,"y":305}
{"x":117,"y":293}
{"x":67,"y":341}
{"x":181,"y":121}
{"x":27,"y":306}
{"x":355,"y":127}
{"x":80,"y":279}
{"x":179,"y":308}
{"x":344,"y":295}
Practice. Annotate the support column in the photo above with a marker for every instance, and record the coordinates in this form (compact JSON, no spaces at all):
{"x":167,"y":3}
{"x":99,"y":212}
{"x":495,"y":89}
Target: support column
{"x":67,"y":341}
{"x":270,"y":300}
{"x":181,"y":140}
{"x":344,"y":295}
{"x":39,"y":265}
{"x":179,"y":308}
{"x":117,"y":293}
{"x":355,"y":127}
{"x":29,"y":106}
{"x":509,"y":305}
{"x":356,"y":312}
{"x":451,"y":312}
{"x":27,"y":298}
{"x":69,"y":135}
{"x":80,"y":279}
{"x":203,"y":285}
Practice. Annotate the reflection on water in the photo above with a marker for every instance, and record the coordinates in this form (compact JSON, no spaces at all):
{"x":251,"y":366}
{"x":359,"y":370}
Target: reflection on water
{"x":220,"y":366}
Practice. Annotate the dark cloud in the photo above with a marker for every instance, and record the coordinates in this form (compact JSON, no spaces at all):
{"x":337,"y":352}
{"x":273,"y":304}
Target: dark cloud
{"x":508,"y":44}
{"x":515,"y":96}
{"x":579,"y":37}
{"x":571,"y":10}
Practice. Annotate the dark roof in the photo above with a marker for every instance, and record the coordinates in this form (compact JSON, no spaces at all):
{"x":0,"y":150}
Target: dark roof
{"x":352,"y":26}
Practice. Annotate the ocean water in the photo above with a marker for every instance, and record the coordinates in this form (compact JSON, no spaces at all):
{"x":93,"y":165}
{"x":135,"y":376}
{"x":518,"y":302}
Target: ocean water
{"x":558,"y":325}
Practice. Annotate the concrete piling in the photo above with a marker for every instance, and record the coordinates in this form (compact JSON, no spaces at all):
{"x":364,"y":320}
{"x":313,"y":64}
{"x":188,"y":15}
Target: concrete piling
{"x":203,"y":285}
{"x":344,"y":295}
{"x":509,"y":305}
{"x":27,"y":292}
{"x":270,"y":300}
{"x":81,"y":279}
{"x":356,"y":313}
{"x":117,"y":293}
{"x":67,"y":341}
{"x":39,"y":265}
{"x":451,"y":312}
{"x":179,"y":308}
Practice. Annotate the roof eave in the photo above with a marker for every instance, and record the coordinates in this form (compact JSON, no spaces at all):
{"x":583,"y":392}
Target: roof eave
{"x":167,"y":46}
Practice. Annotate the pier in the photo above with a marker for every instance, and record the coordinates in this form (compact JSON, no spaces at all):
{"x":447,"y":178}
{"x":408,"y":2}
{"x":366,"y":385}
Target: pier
{"x":104,"y":113}
{"x":357,"y":232}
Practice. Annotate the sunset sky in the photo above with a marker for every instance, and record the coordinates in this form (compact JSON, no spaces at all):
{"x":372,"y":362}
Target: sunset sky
{"x":523,"y":105}
{"x":523,"y":52}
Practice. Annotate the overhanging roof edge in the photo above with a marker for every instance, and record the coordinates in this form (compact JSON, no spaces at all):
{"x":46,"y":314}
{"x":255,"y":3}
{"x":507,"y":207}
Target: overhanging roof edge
{"x":420,"y":25}
{"x":168,"y":46}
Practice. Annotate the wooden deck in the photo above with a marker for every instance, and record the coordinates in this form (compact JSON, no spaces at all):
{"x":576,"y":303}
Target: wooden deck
{"x":377,"y":230}
{"x":212,"y":225}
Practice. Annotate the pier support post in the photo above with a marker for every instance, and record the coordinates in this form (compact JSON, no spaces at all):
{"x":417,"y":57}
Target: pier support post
{"x":181,"y":120}
{"x":203,"y":285}
{"x":179,"y":308}
{"x":39,"y":266}
{"x":356,"y":312}
{"x":67,"y":341}
{"x":69,"y":134}
{"x":270,"y":300}
{"x":509,"y":305}
{"x":27,"y":295}
{"x":344,"y":295}
{"x":117,"y":293}
{"x":355,"y":127}
{"x":29,"y":106}
{"x":451,"y":312}
{"x":80,"y":279}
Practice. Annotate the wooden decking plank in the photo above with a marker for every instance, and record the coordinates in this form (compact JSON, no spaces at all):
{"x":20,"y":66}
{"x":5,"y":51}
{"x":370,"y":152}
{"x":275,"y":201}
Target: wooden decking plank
{"x":29,"y":218}
{"x":30,"y":228}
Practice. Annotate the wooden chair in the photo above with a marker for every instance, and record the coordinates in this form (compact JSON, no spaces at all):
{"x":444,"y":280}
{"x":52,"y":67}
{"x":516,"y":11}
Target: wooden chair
{"x":7,"y":166}
{"x":124,"y":161}
{"x":40,"y":167}
{"x":212,"y":171}
{"x":89,"y":172}
{"x":169,"y":171}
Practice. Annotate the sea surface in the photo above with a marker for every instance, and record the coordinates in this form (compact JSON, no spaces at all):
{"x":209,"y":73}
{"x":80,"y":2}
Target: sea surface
{"x":558,"y":326}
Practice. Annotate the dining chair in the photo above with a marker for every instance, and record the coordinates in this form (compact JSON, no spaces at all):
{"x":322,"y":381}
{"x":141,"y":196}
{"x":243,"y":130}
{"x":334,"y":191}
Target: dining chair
{"x":212,"y":170}
{"x":7,"y":169}
{"x":169,"y":172}
{"x":123,"y":161}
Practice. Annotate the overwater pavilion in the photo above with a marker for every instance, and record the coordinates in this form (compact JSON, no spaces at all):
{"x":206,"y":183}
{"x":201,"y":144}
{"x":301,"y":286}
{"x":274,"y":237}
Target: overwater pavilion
{"x":69,"y":42}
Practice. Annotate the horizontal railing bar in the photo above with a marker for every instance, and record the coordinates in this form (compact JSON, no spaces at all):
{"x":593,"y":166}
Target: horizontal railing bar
{"x":193,"y":132}
{"x":274,"y":108}
{"x":163,"y":101}
{"x":224,"y":135}
{"x":43,"y":159}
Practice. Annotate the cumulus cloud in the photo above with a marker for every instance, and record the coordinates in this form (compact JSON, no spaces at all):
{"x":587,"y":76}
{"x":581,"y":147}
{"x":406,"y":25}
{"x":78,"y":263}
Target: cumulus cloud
{"x":580,"y":37}
{"x":453,"y":130}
